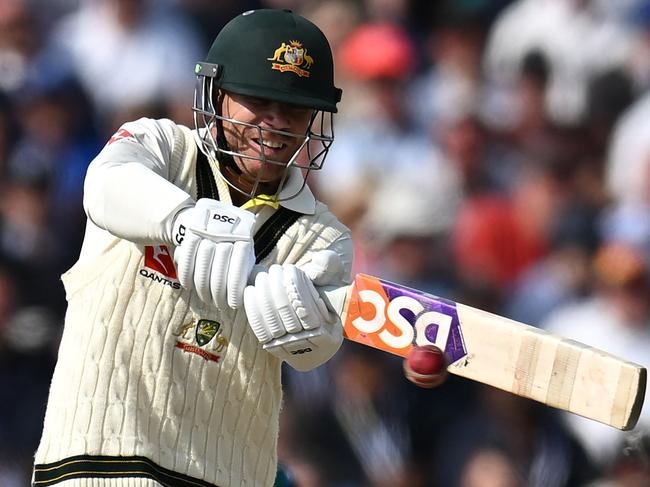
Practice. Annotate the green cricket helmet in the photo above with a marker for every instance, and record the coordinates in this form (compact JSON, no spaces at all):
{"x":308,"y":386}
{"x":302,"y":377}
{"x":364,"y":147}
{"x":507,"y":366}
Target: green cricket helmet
{"x":274,"y":55}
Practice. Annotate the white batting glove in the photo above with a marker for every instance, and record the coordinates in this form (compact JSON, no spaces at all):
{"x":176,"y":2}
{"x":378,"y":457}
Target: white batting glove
{"x":289,"y":317}
{"x":214,"y":252}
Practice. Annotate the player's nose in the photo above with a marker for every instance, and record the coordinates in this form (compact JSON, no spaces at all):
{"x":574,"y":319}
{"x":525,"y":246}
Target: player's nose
{"x":276,"y":116}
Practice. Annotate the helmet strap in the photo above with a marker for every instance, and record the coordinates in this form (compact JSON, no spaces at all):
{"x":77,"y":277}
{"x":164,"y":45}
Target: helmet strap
{"x":239,"y":180}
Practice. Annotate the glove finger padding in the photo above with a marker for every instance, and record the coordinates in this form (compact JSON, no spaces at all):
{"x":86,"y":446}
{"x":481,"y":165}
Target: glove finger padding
{"x":288,"y":316}
{"x":203,"y":268}
{"x":219,"y":274}
{"x":254,"y":315}
{"x":242,"y":261}
{"x":185,"y":257}
{"x":267,"y":307}
{"x":304,"y":298}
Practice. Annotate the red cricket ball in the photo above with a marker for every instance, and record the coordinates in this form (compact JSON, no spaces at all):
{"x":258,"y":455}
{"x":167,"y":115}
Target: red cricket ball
{"x":426,"y":366}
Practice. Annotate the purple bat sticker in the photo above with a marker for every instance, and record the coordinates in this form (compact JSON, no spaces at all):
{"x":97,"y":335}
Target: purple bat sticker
{"x":435,"y":320}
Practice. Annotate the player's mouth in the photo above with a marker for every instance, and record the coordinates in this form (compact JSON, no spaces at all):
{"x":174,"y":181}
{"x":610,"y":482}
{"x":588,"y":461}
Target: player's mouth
{"x":271,"y":148}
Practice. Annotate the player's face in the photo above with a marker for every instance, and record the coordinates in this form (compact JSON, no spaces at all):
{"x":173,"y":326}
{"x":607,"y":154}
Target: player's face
{"x":249,"y":141}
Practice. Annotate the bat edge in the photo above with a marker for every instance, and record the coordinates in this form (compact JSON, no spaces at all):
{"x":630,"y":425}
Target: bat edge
{"x":639,"y":398}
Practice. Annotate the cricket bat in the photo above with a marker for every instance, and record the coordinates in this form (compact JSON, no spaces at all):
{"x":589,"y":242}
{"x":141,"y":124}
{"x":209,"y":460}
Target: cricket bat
{"x":493,"y":350}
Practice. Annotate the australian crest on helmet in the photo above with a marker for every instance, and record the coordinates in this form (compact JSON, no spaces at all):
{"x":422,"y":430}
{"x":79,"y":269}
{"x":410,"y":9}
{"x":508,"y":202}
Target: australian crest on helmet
{"x":292,"y":57}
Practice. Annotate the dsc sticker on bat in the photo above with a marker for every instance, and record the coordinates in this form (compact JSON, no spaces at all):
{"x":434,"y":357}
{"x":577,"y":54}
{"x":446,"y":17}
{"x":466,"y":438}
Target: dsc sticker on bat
{"x":392,"y":318}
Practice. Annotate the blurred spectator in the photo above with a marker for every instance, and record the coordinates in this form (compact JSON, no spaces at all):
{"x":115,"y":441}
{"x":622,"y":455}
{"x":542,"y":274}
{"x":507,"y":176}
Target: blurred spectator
{"x":29,"y":245}
{"x":517,"y":442}
{"x":393,"y":11}
{"x":496,"y":238}
{"x":483,"y":163}
{"x":19,"y":42}
{"x":336,"y":18}
{"x":406,"y":227}
{"x":562,"y":274}
{"x":490,"y":467}
{"x":609,"y":94}
{"x":623,"y":11}
{"x":374,"y":419}
{"x":209,"y":16}
{"x":362,"y":435}
{"x":577,"y":40}
{"x":8,"y":133}
{"x":531,"y":128}
{"x":376,"y":139}
{"x":528,"y":130}
{"x":627,"y":222}
{"x":24,"y":234}
{"x":556,"y":280}
{"x":27,"y":354}
{"x":520,"y":183}
{"x":27,"y":345}
{"x":8,"y":296}
{"x":491,"y":158}
{"x":631,"y":467}
{"x":638,"y":65}
{"x":140,"y":56}
{"x":628,"y":163}
{"x":58,"y":141}
{"x":376,"y":52}
{"x":615,"y":318}
{"x":450,"y":87}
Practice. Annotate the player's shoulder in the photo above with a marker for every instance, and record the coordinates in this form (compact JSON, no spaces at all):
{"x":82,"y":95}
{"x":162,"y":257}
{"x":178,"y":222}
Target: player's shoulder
{"x":324,"y":215}
{"x":152,"y":133}
{"x":154,"y":126}
{"x":321,"y":208}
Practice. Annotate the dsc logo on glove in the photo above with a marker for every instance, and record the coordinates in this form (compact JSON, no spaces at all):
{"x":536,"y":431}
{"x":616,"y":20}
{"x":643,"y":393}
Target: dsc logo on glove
{"x":225,"y":218}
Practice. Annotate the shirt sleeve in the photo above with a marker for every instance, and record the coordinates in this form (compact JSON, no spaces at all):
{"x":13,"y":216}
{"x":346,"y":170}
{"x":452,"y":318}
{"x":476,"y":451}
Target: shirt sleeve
{"x":127,"y":190}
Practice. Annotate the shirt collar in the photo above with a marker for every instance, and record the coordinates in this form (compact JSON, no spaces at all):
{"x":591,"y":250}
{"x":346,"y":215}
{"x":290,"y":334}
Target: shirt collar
{"x":304,"y":202}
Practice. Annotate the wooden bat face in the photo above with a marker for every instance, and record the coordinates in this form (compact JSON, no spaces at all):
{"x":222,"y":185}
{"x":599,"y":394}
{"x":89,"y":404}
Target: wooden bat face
{"x":494,"y":350}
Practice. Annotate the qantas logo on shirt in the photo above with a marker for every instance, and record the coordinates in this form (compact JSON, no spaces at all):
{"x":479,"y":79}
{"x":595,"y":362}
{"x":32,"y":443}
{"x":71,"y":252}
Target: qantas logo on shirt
{"x":121,"y":135}
{"x":159,"y":266}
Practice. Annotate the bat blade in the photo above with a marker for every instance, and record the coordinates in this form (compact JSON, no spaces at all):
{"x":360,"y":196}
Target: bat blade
{"x":493,"y":350}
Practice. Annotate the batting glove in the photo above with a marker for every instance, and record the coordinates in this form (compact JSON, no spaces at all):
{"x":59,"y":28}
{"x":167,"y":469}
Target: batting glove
{"x":289,"y":317}
{"x":214,"y":254}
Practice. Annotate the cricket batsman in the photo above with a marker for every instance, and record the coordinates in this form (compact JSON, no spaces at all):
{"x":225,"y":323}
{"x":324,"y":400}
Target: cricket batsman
{"x":198,"y":274}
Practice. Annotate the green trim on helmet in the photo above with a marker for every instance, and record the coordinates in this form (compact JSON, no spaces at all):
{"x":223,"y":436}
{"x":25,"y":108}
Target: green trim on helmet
{"x":276,"y":55}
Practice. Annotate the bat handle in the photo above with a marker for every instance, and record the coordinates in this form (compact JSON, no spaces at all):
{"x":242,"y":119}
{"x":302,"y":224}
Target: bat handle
{"x":334,"y":297}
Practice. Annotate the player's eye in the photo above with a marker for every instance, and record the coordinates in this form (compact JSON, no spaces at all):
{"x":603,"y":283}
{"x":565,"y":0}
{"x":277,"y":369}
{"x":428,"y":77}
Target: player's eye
{"x":254,"y":102}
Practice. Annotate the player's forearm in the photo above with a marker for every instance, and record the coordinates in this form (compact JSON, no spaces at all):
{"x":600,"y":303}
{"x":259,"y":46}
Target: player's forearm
{"x":132,"y":202}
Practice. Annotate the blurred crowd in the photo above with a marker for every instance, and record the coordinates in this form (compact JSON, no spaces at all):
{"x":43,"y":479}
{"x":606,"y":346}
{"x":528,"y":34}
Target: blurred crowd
{"x":495,"y":152}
